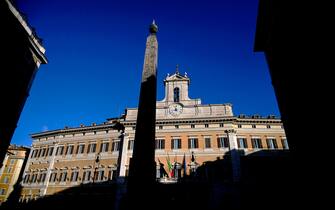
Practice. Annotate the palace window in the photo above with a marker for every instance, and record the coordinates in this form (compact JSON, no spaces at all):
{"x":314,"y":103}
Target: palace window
{"x":69,"y":149}
{"x":130,"y":144}
{"x":239,"y":126}
{"x":104,"y":147}
{"x":87,"y":176}
{"x":268,"y":126}
{"x":100,"y":175}
{"x":80,"y":149}
{"x":256,"y":143}
{"x":53,"y":177}
{"x":91,"y":148}
{"x":26,"y":178}
{"x":176,"y":126}
{"x":223,"y":142}
{"x":9,"y":169}
{"x":115,"y":146}
{"x":36,"y":153}
{"x":193,"y":143}
{"x":284,"y":143}
{"x":242,"y":143}
{"x":6,"y":180}
{"x":43,"y":153}
{"x":60,"y":150}
{"x":63,"y":176}
{"x":42,"y":177}
{"x":50,"y":151}
{"x":192,"y":126}
{"x":12,"y":161}
{"x":207,"y":143}
{"x":160,"y":127}
{"x":34,"y":178}
{"x":2,"y":191}
{"x":112,"y":174}
{"x":74,"y":176}
{"x":33,"y":153}
{"x":160,"y":144}
{"x":39,"y":153}
{"x":253,"y":126}
{"x":176,"y":94}
{"x":272,"y":143}
{"x":176,"y":144}
{"x":206,"y":125}
{"x":221,"y":125}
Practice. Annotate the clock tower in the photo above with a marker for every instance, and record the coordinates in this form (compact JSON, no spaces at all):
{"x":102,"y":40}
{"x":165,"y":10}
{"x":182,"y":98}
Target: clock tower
{"x":176,"y":90}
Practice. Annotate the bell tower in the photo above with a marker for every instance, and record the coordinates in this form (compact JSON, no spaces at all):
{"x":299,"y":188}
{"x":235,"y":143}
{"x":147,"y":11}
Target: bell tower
{"x":176,"y":89}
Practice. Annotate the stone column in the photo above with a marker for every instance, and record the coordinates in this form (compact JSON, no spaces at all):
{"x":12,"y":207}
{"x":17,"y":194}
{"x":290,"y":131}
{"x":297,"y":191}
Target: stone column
{"x":235,"y":156}
{"x":123,"y":158}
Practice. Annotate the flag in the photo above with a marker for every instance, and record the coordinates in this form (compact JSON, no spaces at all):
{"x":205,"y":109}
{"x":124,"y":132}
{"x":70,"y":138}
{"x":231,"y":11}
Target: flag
{"x":193,"y":158}
{"x":184,"y":165}
{"x":169,"y":166}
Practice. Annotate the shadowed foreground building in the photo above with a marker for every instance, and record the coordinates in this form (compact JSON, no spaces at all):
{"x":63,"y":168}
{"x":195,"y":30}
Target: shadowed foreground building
{"x":189,"y":136}
{"x":22,"y":54}
{"x":12,"y":170}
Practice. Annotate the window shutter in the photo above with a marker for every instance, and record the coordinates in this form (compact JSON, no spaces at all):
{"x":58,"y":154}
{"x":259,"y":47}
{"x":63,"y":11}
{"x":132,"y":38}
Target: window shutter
{"x":172,"y":143}
{"x":275,"y":143}
{"x":189,"y":143}
{"x":226,"y":142}
{"x":260,"y":143}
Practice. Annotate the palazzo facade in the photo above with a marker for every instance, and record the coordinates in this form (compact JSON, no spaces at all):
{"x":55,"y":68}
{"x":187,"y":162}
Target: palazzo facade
{"x":188,"y":134}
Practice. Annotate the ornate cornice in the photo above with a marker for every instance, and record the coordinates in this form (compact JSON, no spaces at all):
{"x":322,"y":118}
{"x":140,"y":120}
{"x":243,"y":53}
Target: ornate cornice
{"x":78,"y":130}
{"x":210,"y":120}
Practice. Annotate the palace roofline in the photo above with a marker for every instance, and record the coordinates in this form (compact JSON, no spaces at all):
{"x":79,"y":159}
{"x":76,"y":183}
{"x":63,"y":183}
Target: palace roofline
{"x":213,"y":119}
{"x":17,"y":147}
{"x":67,"y":129}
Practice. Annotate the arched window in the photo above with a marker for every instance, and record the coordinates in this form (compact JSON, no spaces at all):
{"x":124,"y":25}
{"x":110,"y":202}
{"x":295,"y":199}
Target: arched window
{"x":176,"y":95}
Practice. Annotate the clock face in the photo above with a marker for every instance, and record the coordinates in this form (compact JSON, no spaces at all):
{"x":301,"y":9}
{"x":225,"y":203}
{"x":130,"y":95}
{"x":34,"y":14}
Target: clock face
{"x":175,"y":109}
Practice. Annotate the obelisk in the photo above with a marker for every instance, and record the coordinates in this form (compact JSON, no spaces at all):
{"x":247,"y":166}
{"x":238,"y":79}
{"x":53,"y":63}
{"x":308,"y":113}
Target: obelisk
{"x":142,"y":169}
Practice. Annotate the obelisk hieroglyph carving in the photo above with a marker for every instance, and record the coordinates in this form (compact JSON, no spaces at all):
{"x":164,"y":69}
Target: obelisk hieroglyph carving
{"x":142,"y":169}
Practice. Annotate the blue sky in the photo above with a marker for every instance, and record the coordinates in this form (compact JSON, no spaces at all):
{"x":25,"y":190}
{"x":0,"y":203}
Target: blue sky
{"x":96,"y":50}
